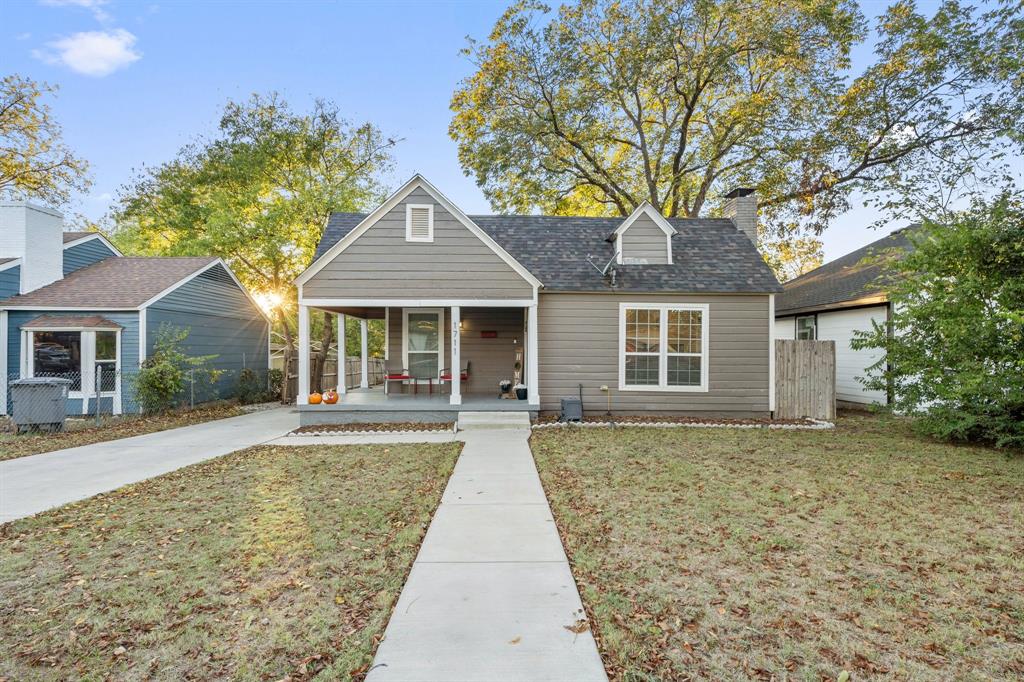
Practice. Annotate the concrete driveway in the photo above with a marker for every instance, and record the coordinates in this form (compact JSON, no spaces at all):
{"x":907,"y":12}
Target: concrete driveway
{"x":29,"y":485}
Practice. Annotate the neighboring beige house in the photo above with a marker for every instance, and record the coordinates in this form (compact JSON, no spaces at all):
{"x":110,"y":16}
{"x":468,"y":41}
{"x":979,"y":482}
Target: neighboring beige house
{"x":642,"y":315}
{"x":837,"y":300}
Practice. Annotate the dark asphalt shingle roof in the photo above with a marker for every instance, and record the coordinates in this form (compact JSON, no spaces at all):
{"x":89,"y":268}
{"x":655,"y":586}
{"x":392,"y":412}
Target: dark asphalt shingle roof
{"x":74,"y":236}
{"x":708,"y":255}
{"x":845,"y":279}
{"x":112,"y":283}
{"x":58,"y":321}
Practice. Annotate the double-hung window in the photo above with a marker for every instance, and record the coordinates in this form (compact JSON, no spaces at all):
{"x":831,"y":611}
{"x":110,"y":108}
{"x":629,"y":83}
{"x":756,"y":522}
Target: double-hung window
{"x":807,"y":327}
{"x":663,"y":347}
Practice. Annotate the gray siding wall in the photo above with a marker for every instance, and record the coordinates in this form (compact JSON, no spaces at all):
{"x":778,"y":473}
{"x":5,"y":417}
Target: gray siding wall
{"x":221,"y":320}
{"x":491,"y":359}
{"x":643,"y":239}
{"x":381,"y":264}
{"x":579,"y":343}
{"x":83,"y":255}
{"x":10,"y":282}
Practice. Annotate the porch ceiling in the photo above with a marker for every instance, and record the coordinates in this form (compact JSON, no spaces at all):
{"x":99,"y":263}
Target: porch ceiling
{"x":363,"y":313}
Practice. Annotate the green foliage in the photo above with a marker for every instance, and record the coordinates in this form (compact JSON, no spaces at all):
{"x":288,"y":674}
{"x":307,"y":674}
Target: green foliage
{"x":956,"y":353}
{"x":164,"y":375}
{"x":34,"y":161}
{"x":257,"y":194}
{"x":603,"y":104}
{"x":251,"y":390}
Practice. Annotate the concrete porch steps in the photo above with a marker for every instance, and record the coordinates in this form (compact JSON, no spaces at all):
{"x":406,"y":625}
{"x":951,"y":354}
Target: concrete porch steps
{"x":493,"y":420}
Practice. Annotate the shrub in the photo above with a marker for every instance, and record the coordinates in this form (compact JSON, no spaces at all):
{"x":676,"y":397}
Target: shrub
{"x":165,"y":374}
{"x":956,"y":352}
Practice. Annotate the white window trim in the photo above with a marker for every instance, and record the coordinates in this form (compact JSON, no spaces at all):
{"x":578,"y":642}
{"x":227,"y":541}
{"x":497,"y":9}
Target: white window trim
{"x":663,"y":387}
{"x":408,"y":223}
{"x":88,"y":348}
{"x":440,"y":336}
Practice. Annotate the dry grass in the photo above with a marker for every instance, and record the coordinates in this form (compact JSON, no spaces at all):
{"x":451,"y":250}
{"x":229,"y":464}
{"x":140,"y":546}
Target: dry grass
{"x":270,"y":562}
{"x":85,"y":431}
{"x":731,"y":554}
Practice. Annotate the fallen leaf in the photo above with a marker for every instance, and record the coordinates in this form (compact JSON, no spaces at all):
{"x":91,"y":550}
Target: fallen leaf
{"x":515,"y":640}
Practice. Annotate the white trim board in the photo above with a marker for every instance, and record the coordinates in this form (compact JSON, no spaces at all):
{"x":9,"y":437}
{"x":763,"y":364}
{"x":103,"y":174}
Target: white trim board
{"x":92,"y":237}
{"x":416,"y":182}
{"x":415,"y":302}
{"x":3,"y":362}
{"x":13,"y":263}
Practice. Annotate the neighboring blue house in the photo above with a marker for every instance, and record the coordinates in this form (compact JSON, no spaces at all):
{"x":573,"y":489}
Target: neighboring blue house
{"x":71,"y":303}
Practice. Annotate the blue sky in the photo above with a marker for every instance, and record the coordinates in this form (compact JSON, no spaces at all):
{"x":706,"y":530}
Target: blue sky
{"x":139,"y":80}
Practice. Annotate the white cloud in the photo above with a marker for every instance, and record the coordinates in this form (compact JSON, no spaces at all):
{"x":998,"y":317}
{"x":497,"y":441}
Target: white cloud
{"x":94,"y":6}
{"x":92,"y":53}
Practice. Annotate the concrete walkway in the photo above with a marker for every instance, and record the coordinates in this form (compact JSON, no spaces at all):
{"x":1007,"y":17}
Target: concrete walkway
{"x":29,"y":485}
{"x":490,"y":595}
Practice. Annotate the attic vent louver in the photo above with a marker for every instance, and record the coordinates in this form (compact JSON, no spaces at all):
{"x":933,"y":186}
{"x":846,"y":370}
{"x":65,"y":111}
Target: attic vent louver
{"x":419,"y":223}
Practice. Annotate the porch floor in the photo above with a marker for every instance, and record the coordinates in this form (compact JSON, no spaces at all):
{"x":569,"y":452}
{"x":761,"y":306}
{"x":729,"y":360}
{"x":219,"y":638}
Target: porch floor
{"x":371,"y":405}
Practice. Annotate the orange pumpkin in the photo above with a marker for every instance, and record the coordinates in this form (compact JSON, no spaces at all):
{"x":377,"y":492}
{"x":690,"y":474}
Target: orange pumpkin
{"x":330,"y":397}
{"x":315,"y":398}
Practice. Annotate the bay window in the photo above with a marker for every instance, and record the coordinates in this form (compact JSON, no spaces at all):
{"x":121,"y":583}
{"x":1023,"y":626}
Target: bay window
{"x":663,"y":347}
{"x":76,"y":355}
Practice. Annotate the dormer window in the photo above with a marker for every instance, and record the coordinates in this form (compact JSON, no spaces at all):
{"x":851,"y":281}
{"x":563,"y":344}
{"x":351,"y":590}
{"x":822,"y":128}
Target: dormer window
{"x":419,"y":222}
{"x":644,"y":238}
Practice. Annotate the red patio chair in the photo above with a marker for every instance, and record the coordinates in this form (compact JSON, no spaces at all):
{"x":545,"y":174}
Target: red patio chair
{"x":395,"y":373}
{"x":446,"y":375}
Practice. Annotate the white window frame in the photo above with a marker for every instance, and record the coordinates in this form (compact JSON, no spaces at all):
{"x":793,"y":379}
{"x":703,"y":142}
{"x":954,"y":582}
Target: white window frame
{"x":814,"y":327}
{"x":408,"y":223}
{"x":440,"y":336}
{"x":663,"y":354}
{"x":87,"y":343}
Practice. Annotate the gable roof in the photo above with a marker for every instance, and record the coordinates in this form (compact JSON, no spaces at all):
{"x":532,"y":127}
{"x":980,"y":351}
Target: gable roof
{"x":76,"y":238}
{"x":710,"y":254}
{"x":843,"y":282}
{"x":113,"y":283}
{"x":321,"y":258}
{"x":71,"y":321}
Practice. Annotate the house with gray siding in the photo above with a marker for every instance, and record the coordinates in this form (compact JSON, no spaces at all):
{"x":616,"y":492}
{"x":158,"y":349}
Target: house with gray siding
{"x":642,"y":315}
{"x":72,"y":305}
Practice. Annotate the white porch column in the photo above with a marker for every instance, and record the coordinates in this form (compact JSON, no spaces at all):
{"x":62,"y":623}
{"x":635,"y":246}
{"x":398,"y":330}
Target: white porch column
{"x":532,"y":368}
{"x":363,"y":354}
{"x":456,"y":368}
{"x":302,"y":396}
{"x":342,"y":360}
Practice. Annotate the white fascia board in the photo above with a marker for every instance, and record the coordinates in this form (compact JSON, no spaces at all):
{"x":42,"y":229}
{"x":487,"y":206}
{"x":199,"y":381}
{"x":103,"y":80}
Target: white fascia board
{"x":645,"y":208}
{"x":180,"y":283}
{"x":417,"y":181}
{"x":91,"y":237}
{"x":80,"y":309}
{"x":415,"y":302}
{"x":12,"y":264}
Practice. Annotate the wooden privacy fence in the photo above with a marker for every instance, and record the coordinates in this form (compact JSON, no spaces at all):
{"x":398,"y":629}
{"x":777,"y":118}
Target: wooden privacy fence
{"x":805,"y":379}
{"x":353,"y":373}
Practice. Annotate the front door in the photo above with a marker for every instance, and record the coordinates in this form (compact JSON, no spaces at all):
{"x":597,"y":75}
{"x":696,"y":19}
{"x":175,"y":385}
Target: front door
{"x":423,"y":342}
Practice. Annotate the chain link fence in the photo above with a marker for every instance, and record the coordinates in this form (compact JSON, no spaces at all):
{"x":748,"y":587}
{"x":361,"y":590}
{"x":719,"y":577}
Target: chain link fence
{"x":110,"y":392}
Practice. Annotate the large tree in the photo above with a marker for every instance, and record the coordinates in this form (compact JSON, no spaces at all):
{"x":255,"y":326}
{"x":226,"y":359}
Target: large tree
{"x":34,"y":161}
{"x":607,"y":103}
{"x":258,"y":194}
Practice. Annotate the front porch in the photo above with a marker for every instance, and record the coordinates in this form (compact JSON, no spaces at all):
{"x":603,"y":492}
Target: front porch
{"x":441,"y":358}
{"x":371,"y":405}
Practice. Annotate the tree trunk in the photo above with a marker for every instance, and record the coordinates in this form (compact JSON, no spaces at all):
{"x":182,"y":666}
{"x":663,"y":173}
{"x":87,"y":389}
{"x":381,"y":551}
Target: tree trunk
{"x":319,"y":359}
{"x":286,"y":396}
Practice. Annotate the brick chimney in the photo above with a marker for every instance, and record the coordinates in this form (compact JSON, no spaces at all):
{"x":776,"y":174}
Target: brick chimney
{"x":741,"y":208}
{"x":35,"y":235}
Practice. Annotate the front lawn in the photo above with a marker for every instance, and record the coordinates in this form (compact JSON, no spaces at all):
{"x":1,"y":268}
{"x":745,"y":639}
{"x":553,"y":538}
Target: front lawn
{"x":736,"y":554}
{"x":86,"y":431}
{"x":266,"y":563}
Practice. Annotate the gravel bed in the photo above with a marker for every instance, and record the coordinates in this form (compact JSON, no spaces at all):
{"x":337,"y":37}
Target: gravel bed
{"x":674,"y":422}
{"x":379,"y":427}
